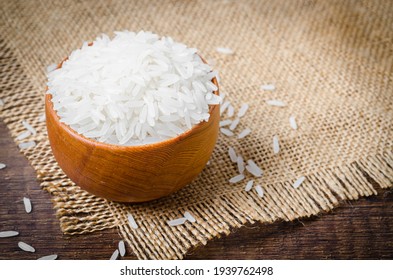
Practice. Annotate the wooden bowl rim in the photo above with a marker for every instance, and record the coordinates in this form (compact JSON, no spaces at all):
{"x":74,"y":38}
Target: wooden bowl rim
{"x":155,"y":145}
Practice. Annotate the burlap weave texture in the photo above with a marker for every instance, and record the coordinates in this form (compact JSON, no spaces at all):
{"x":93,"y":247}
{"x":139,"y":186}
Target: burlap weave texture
{"x":331,"y":62}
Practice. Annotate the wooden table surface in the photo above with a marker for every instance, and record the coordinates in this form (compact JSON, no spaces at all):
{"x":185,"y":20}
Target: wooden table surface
{"x":360,"y":229}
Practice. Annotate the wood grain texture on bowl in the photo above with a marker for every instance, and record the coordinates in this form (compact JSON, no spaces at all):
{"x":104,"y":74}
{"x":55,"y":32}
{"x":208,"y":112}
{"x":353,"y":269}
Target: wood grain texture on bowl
{"x":132,"y":173}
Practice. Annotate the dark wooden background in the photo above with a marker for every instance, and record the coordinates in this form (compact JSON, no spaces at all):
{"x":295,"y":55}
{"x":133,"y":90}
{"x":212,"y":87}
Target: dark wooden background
{"x":360,"y":229}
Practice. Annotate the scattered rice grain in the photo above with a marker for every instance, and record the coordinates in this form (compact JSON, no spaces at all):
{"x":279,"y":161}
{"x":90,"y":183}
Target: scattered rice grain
{"x":236,"y":179}
{"x":225,"y":122}
{"x":253,"y":168}
{"x":9,"y":233}
{"x":42,"y":118}
{"x":224,"y":50}
{"x":115,"y":255}
{"x":27,"y":145}
{"x":244,"y":133}
{"x":222,"y":95}
{"x":48,"y":258}
{"x":268,"y":87}
{"x":132,"y":222}
{"x":231,"y":111}
{"x":242,"y":110}
{"x":122,"y":248}
{"x":240,"y":164}
{"x":232,"y":154}
{"x":234,"y":124}
{"x":292,"y":122}
{"x":29,"y":127}
{"x":189,"y":217}
{"x":259,"y":190}
{"x":27,"y":204}
{"x":298,"y":182}
{"x":26,"y":247}
{"x":276,"y":145}
{"x":277,"y":103}
{"x":249,"y":185}
{"x":177,"y":222}
{"x":226,"y":132}
{"x":2,"y":165}
{"x":23,"y":135}
{"x":224,"y":106}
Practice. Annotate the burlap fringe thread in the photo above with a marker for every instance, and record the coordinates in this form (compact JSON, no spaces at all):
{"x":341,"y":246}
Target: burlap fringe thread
{"x":320,"y":192}
{"x":80,"y":212}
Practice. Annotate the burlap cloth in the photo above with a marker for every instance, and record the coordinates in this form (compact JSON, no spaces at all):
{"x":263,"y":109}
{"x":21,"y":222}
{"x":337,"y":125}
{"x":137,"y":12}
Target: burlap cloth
{"x":331,"y":62}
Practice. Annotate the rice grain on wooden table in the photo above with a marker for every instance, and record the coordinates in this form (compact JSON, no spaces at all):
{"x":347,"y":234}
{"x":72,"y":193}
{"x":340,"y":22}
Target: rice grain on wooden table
{"x":26,"y":247}
{"x":8,"y":233}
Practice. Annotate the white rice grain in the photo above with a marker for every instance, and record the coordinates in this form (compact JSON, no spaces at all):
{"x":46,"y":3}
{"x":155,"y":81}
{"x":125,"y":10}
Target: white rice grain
{"x":226,"y":132}
{"x":29,"y":127}
{"x":222,"y":95}
{"x":122,"y":248}
{"x":132,"y":222}
{"x":189,"y":217}
{"x":268,"y":87}
{"x":115,"y":255}
{"x":48,"y":258}
{"x":26,"y":247}
{"x":277,"y":103}
{"x":232,"y":154}
{"x":253,"y":168}
{"x":234,"y":124}
{"x":177,"y":222}
{"x":231,"y":111}
{"x":27,"y":204}
{"x":298,"y":182}
{"x":224,"y":50}
{"x":249,"y":185}
{"x":225,"y":122}
{"x":240,"y":164}
{"x":27,"y":145}
{"x":23,"y":135}
{"x":236,"y":179}
{"x":51,"y":67}
{"x":243,"y":109}
{"x":9,"y":233}
{"x":259,"y":190}
{"x":244,"y":133}
{"x":224,"y":106}
{"x":292,"y":122}
{"x":2,"y":165}
{"x":42,"y":118}
{"x":276,"y":145}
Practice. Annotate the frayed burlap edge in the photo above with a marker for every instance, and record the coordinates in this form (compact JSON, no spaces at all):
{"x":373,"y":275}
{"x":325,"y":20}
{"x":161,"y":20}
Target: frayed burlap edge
{"x":320,"y":192}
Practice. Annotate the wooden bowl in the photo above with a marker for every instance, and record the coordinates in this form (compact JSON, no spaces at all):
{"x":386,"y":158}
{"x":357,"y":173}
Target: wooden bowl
{"x":132,"y":173}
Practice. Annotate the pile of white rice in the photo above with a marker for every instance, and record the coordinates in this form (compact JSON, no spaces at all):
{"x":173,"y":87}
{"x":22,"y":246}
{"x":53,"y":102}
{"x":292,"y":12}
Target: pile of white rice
{"x":134,"y":89}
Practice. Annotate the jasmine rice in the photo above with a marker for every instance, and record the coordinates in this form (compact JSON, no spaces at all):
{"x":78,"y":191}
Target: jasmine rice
{"x":134,"y":89}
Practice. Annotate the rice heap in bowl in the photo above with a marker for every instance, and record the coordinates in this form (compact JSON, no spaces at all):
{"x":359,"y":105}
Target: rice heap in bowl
{"x":134,"y":89}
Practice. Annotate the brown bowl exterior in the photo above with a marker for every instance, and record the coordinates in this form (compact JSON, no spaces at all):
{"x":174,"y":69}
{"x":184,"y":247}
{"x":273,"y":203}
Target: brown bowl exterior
{"x":134,"y":173}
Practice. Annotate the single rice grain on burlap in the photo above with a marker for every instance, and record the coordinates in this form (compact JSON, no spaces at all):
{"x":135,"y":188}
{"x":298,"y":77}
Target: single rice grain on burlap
{"x":331,"y":63}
